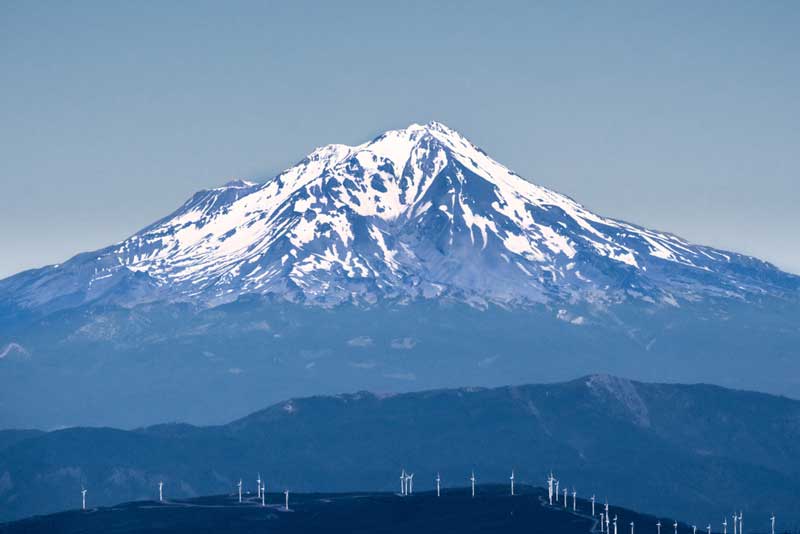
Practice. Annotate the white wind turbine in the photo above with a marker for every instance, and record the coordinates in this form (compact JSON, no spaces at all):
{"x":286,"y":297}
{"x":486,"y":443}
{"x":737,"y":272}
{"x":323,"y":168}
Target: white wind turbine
{"x":410,"y":480}
{"x":658,"y":526}
{"x":550,"y":483}
{"x":557,"y":490}
{"x":608,"y":530}
{"x":472,"y":480}
{"x":725,"y":525}
{"x":772,"y":523}
{"x":438,"y":484}
{"x":263,"y":492}
{"x":675,"y":525}
{"x":565,"y":497}
{"x":741,"y":523}
{"x":708,"y":528}
{"x":403,"y":482}
{"x":286,"y":494}
{"x":258,"y":485}
{"x":694,"y":529}
{"x":631,"y":527}
{"x":734,"y":523}
{"x":161,"y":491}
{"x":83,"y":498}
{"x":239,"y":485}
{"x":601,"y":523}
{"x":615,"y":524}
{"x":512,"y":484}
{"x":593,"y":506}
{"x":574,"y":500}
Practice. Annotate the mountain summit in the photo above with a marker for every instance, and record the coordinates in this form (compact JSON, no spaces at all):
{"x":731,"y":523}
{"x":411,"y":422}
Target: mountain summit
{"x":415,"y":213}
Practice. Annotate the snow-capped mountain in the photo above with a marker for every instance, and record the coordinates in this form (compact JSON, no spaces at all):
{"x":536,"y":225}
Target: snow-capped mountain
{"x":415,"y":213}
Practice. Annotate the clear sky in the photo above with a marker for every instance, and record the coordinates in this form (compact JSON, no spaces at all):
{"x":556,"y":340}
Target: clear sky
{"x":681,"y":116}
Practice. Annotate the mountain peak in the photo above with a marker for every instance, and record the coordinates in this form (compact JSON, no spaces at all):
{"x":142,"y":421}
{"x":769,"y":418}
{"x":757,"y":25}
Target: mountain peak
{"x":419,"y":212}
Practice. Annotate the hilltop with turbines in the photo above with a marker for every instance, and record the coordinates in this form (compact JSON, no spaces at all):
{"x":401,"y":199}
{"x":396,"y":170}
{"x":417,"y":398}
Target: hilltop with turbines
{"x":696,"y":453}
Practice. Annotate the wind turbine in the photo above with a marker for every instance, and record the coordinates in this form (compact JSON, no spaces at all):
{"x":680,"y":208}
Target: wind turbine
{"x":694,"y":529}
{"x":239,"y":485}
{"x":608,"y":530}
{"x":772,"y":523}
{"x":556,"y":490}
{"x":263,"y":494}
{"x":161,"y":491}
{"x":286,"y":494}
{"x":631,"y":527}
{"x":438,"y":483}
{"x":512,"y":485}
{"x":472,"y":479}
{"x":735,"y":522}
{"x":708,"y":528}
{"x":83,"y":498}
{"x":550,"y":482}
{"x":725,"y":525}
{"x":615,"y":524}
{"x":658,"y":526}
{"x":410,"y":479}
{"x":601,"y":522}
{"x":675,"y":525}
{"x":258,"y":485}
{"x":741,"y":523}
{"x":593,"y":506}
{"x":403,"y":482}
{"x":565,"y":497}
{"x":574,"y":499}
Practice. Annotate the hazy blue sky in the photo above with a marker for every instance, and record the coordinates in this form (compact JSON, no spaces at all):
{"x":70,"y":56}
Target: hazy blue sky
{"x":682,"y":116}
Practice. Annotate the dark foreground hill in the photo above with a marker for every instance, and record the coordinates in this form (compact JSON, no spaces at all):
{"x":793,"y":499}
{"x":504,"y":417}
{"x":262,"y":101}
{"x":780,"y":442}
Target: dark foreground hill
{"x":695,"y":451}
{"x":492,"y":510}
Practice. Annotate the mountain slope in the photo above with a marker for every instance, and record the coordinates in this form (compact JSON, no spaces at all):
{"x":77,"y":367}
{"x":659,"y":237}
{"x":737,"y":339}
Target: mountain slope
{"x":689,"y":451}
{"x":415,"y":213}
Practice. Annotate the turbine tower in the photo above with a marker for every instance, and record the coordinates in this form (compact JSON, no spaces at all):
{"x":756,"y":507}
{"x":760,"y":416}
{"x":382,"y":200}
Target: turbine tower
{"x":239,"y":485}
{"x":658,"y":526}
{"x":593,"y":506}
{"x":615,"y":524}
{"x":83,"y":498}
{"x":472,"y":480}
{"x":512,"y":485}
{"x":550,"y":483}
{"x":574,"y":500}
{"x":772,"y":523}
{"x":631,"y":527}
{"x":403,"y":482}
{"x":725,"y":525}
{"x":258,"y":485}
{"x":708,"y":528}
{"x":410,"y":479}
{"x":601,"y":523}
{"x":438,"y":483}
{"x":694,"y":529}
{"x":263,"y":494}
{"x":565,"y":497}
{"x":556,"y":490}
{"x":741,"y":523}
{"x":735,"y":522}
{"x":161,"y":491}
{"x":675,"y":525}
{"x":286,"y":494}
{"x":608,"y":530}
